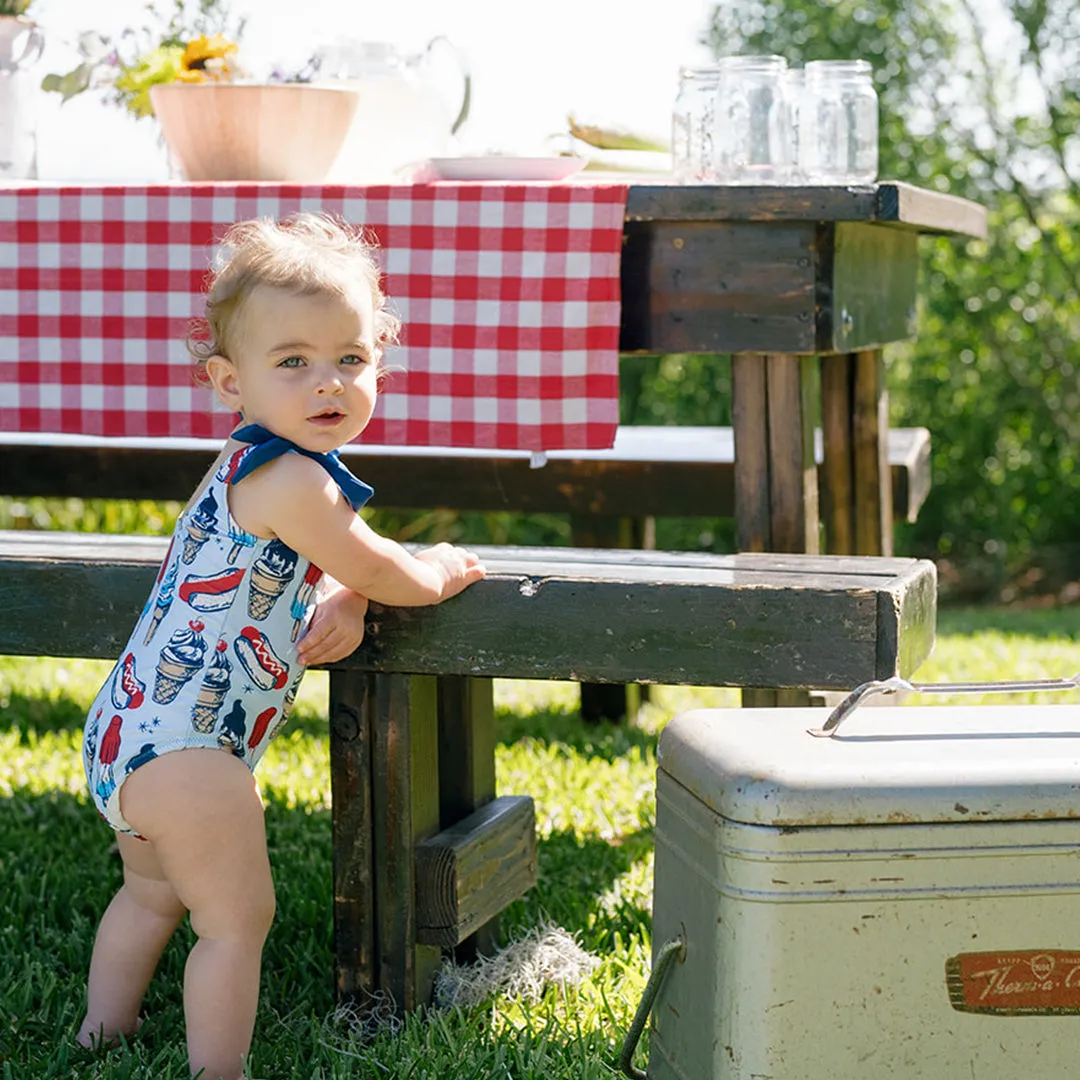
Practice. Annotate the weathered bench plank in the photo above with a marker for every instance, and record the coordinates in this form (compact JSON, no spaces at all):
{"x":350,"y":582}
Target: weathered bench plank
{"x":657,"y":471}
{"x":822,"y":622}
{"x":468,"y":873}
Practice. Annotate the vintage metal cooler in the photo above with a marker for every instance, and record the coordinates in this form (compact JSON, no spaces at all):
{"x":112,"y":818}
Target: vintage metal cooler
{"x":899,"y":901}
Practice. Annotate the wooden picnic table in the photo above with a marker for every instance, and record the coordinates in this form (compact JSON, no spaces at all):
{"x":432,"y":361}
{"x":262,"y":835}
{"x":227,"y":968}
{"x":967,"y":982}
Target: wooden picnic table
{"x":777,"y":277}
{"x":780,"y":277}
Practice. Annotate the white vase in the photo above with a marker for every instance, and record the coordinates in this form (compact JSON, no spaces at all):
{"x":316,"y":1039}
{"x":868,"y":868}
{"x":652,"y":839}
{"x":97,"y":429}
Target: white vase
{"x":21,"y":42}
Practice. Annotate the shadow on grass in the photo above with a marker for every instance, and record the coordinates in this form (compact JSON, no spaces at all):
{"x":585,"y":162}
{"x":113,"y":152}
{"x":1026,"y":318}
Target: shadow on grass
{"x":32,"y":712}
{"x":606,"y":741}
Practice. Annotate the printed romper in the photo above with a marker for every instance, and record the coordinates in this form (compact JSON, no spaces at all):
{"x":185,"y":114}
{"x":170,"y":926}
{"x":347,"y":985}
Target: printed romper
{"x":212,"y":660}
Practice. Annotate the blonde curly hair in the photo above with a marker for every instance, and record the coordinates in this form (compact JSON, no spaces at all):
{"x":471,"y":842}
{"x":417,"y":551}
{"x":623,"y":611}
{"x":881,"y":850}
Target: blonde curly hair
{"x":307,"y":254}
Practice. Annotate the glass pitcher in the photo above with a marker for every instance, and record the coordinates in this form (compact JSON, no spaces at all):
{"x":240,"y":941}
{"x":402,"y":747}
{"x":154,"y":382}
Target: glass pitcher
{"x":21,"y":43}
{"x":404,"y":114}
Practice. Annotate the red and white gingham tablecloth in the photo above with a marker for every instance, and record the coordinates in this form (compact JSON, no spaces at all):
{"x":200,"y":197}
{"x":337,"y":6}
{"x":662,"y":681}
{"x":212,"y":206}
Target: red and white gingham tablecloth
{"x":509,"y":295}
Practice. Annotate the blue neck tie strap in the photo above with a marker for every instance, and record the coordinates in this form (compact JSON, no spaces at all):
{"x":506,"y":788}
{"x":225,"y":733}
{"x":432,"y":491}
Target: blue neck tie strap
{"x":268,"y":446}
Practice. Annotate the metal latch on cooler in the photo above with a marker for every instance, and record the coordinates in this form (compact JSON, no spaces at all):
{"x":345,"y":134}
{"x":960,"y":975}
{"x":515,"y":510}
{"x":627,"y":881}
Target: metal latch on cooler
{"x":896,"y":684}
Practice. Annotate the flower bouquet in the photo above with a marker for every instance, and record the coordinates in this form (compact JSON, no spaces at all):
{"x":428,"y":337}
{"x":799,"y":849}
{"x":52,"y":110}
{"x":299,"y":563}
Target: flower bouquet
{"x":196,"y":43}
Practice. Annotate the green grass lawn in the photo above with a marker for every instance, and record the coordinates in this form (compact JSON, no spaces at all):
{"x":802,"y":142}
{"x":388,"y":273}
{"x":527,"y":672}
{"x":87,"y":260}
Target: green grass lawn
{"x":595,"y":805}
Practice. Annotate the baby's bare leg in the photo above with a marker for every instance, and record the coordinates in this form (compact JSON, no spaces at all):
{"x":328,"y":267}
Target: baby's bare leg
{"x":201,"y":810}
{"x":134,"y":930}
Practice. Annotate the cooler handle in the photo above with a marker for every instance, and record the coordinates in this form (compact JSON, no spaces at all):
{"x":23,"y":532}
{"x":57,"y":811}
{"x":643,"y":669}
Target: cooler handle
{"x":896,"y":684}
{"x":676,"y":947}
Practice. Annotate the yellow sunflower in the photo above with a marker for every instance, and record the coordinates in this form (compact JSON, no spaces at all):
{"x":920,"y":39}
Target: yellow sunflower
{"x":206,"y":59}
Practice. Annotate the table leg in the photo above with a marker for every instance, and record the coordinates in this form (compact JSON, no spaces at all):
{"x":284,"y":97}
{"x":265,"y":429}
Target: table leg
{"x":857,"y":480}
{"x":776,"y":496}
{"x":467,"y":773}
{"x":750,"y":431}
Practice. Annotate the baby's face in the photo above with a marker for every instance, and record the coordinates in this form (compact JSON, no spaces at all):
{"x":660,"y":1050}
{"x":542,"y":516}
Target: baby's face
{"x":303,"y":366}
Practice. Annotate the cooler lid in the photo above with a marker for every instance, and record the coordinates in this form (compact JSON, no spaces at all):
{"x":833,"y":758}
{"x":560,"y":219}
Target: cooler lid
{"x":902,"y":765}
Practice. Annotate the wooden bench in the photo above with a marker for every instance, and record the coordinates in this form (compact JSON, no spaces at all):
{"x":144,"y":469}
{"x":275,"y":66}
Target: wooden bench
{"x":424,"y":853}
{"x":650,"y":471}
{"x":612,"y":496}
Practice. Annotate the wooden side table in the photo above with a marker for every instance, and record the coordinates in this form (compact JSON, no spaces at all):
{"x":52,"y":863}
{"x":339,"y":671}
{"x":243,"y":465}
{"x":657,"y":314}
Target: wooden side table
{"x":778,"y":277}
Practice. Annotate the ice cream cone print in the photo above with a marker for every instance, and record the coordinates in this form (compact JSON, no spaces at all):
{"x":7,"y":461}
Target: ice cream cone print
{"x":200,"y":527}
{"x":212,"y":693}
{"x":270,"y":577}
{"x":178,"y":662}
{"x":231,"y":735}
{"x":304,"y":597}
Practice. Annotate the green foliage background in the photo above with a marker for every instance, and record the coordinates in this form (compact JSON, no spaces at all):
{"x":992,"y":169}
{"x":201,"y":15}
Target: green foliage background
{"x":979,"y":98}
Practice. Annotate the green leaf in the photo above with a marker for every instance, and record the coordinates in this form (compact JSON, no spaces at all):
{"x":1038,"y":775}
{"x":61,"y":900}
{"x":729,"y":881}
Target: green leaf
{"x":71,"y":84}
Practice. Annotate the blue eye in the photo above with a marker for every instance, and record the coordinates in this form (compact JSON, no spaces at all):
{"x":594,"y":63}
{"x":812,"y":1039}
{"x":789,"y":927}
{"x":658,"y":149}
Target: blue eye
{"x":353,"y":358}
{"x":292,"y":362}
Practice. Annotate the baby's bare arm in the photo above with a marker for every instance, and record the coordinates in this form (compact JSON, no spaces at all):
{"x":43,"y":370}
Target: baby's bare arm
{"x":294,"y":499}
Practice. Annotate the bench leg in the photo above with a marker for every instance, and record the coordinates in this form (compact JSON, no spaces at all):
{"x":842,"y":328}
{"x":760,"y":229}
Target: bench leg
{"x":776,"y":496}
{"x":405,"y":809}
{"x":385,"y":792}
{"x":466,"y":711}
{"x":601,"y":701}
{"x":350,"y":787}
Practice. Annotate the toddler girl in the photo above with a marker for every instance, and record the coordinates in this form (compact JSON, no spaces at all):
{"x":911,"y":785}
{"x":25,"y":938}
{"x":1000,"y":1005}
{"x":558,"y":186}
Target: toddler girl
{"x":270,"y":569}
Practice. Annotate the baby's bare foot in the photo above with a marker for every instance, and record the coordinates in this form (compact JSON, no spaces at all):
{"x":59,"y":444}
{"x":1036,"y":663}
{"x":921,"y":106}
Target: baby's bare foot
{"x":94,"y":1038}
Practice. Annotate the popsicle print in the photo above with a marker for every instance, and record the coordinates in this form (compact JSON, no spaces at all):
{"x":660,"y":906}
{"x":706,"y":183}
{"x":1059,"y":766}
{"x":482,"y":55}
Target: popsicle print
{"x":303,"y":597}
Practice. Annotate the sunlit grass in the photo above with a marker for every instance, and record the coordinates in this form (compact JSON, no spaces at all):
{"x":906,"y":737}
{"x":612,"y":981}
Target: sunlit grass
{"x":594,"y":792}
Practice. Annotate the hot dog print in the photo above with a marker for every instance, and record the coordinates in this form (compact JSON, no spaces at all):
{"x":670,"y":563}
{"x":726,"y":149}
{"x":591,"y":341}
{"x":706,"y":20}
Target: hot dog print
{"x":211,"y":592}
{"x":128,"y":692}
{"x":257,"y":657}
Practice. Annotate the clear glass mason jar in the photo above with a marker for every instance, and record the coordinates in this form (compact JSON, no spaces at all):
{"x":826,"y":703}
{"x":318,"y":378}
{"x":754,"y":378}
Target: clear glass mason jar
{"x":796,"y":95}
{"x":838,"y":130}
{"x":692,"y":126}
{"x":752,"y":141}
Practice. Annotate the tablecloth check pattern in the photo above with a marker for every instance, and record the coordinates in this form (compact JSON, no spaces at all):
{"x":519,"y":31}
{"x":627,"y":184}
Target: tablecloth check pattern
{"x":509,"y":295}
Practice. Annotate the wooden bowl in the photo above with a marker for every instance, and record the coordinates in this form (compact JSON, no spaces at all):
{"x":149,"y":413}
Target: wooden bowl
{"x":234,"y":131}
